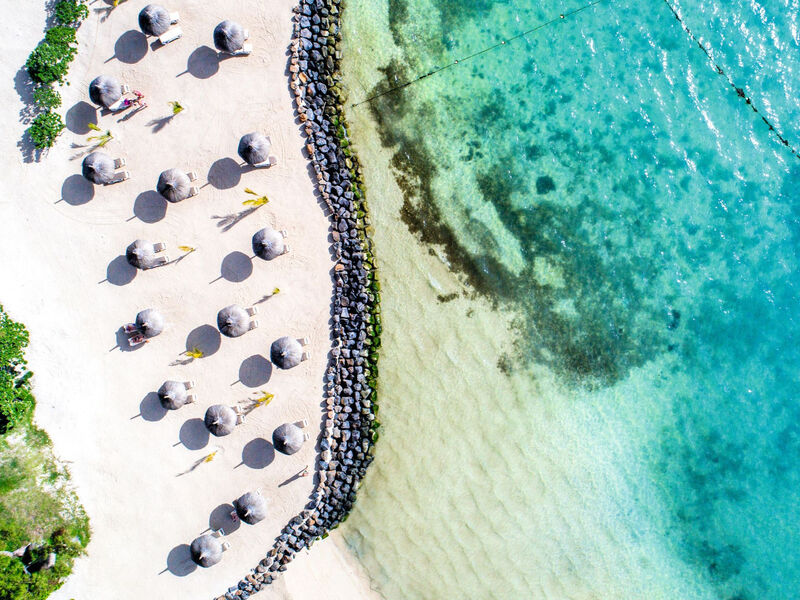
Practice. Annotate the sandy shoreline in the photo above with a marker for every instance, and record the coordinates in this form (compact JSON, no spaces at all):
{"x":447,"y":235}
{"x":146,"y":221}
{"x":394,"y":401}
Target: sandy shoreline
{"x":58,"y":255}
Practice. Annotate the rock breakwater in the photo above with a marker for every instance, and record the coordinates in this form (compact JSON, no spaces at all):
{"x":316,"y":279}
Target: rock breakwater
{"x":350,"y":427}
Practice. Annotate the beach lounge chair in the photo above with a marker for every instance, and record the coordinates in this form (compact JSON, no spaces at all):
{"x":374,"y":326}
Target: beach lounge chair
{"x":286,"y":248}
{"x":190,"y":398}
{"x":130,"y":328}
{"x":226,"y":546}
{"x":303,"y":341}
{"x":192,"y":175}
{"x":174,"y":17}
{"x":161,"y":261}
{"x":302,"y":423}
{"x":159,"y":246}
{"x":218,"y":533}
{"x":119,"y":163}
{"x":121,"y":177}
{"x":193,"y":191}
{"x":252,"y":310}
{"x":305,"y":356}
{"x":273,"y":160}
{"x":172,"y":34}
{"x":253,"y":325}
{"x":306,"y":436}
{"x":284,"y":234}
{"x":246,"y":49}
{"x":136,"y":339}
{"x":126,"y":89}
{"x":119,"y":105}
{"x":188,"y":384}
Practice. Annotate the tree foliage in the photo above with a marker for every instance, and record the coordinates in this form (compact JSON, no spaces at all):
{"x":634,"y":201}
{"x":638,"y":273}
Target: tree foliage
{"x":16,"y":399}
{"x":17,"y":583}
{"x":48,"y":63}
{"x":46,"y":97}
{"x":45,"y":129}
{"x":64,"y":38}
{"x":71,"y":12}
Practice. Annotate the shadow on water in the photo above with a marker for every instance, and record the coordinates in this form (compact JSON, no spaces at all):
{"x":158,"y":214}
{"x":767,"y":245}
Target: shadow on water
{"x":78,"y":117}
{"x":77,"y":190}
{"x":150,"y":207}
{"x":194,"y":435}
{"x":179,"y":561}
{"x":205,"y":338}
{"x":130,"y":47}
{"x":220,"y":518}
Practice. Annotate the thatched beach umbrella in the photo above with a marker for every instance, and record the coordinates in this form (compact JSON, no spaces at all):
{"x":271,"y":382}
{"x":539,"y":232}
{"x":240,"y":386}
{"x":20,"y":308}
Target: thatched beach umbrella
{"x":268,"y":243}
{"x":233,"y":321}
{"x":206,"y":550}
{"x":150,"y":322}
{"x":220,"y":420}
{"x":229,"y":36}
{"x":172,"y":395}
{"x":254,"y":148}
{"x":154,"y":20}
{"x":174,"y":185}
{"x":105,"y":90}
{"x":251,"y":507}
{"x":98,"y":167}
{"x":285,"y":353}
{"x":141,"y":254}
{"x":288,"y":438}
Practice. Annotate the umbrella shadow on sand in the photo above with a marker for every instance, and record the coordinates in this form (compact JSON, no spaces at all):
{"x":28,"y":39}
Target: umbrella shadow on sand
{"x":130,"y":47}
{"x":119,"y":271}
{"x":179,"y":561}
{"x":220,"y":518}
{"x":194,"y":435}
{"x":76,"y":190}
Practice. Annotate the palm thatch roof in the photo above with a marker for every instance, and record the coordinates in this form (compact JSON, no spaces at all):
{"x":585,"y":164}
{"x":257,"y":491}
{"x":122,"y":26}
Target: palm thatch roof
{"x":288,"y":438}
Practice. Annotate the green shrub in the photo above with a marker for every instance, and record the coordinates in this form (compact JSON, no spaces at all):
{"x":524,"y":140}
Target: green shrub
{"x":45,"y":129}
{"x":16,"y":400}
{"x":13,"y":579}
{"x":69,"y":12}
{"x":46,"y":97}
{"x":48,"y":63}
{"x":63,"y":37}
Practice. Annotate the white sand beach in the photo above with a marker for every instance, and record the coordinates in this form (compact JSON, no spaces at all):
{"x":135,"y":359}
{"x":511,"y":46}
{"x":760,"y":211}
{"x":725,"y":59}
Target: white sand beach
{"x":64,"y":275}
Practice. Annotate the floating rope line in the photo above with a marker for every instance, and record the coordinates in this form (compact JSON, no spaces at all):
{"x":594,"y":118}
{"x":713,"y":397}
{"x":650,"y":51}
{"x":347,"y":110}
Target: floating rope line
{"x":484,"y":51}
{"x":739,"y":91}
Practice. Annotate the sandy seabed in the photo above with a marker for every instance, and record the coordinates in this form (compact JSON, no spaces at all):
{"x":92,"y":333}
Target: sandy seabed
{"x":64,"y":275}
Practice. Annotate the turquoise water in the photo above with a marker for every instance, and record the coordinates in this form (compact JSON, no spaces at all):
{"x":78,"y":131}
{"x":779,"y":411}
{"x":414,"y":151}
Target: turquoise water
{"x":589,"y":250}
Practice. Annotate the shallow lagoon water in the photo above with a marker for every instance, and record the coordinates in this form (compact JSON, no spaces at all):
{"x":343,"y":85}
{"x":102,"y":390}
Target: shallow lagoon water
{"x":588,"y":246}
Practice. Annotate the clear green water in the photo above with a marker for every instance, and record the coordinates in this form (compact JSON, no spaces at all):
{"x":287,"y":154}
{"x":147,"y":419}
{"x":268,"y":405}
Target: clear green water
{"x":589,"y":258}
